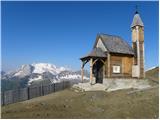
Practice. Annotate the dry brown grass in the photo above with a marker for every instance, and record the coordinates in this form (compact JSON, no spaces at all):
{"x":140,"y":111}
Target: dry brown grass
{"x":153,"y":74}
{"x":71,"y":104}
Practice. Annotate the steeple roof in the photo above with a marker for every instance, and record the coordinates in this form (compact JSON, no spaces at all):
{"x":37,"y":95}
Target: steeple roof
{"x":137,"y":20}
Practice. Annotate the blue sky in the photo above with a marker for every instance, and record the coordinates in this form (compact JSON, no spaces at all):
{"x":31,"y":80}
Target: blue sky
{"x":62,"y":32}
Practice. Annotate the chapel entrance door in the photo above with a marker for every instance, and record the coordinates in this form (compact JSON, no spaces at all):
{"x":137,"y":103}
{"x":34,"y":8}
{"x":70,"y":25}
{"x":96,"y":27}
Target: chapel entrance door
{"x":99,"y":72}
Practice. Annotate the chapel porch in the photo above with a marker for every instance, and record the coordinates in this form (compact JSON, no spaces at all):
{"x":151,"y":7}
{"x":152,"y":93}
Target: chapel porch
{"x":98,"y":60}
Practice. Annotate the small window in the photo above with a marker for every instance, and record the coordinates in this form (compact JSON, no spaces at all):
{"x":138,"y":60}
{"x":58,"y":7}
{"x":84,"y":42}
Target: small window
{"x":116,"y":69}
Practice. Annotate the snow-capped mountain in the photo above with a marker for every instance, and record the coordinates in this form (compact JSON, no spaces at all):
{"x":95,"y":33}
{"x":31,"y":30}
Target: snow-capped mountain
{"x":45,"y":67}
{"x":38,"y":68}
{"x":42,"y":72}
{"x":25,"y":70}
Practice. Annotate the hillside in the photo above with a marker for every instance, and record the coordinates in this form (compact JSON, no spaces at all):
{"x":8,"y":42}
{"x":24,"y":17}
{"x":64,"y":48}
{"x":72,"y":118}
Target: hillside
{"x":71,"y":104}
{"x":153,"y":74}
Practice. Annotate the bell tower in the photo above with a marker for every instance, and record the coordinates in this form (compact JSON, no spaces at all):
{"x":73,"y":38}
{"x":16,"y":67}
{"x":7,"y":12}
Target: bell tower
{"x":137,"y":29}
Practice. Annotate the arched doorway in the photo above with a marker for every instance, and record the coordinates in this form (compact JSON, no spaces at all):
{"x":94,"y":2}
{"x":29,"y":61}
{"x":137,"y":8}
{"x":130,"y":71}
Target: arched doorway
{"x":98,"y":71}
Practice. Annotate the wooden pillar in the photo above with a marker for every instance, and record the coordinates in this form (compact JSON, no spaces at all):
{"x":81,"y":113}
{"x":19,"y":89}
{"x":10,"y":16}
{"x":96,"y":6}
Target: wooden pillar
{"x":104,"y":70}
{"x":91,"y":68}
{"x":109,"y":64}
{"x":104,"y":64}
{"x":82,"y":72}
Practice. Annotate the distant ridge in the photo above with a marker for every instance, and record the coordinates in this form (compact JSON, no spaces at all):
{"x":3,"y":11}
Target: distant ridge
{"x":39,"y":73}
{"x":153,"y":74}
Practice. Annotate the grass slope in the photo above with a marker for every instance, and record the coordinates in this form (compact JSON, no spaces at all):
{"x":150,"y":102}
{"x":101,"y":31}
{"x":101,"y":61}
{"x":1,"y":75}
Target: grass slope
{"x":71,"y":104}
{"x":153,"y":74}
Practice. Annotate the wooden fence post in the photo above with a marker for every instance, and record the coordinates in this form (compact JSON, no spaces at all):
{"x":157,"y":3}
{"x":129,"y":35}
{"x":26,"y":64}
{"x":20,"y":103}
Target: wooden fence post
{"x":18,"y":94}
{"x":54,"y":87}
{"x":28,"y":94}
{"x":50,"y":88}
{"x":2,"y":100}
{"x":63,"y":84}
{"x":42,"y":89}
{"x":12,"y":96}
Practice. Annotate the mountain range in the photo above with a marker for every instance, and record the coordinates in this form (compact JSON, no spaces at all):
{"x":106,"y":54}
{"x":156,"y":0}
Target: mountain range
{"x":39,"y":73}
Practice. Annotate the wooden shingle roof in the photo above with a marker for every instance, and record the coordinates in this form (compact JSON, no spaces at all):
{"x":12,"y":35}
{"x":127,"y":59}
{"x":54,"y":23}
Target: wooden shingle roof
{"x":96,"y":52}
{"x":115,"y":44}
{"x":112,"y":43}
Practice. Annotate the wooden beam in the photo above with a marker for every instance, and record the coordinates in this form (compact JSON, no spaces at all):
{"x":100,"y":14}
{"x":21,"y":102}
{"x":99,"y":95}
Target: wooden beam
{"x":102,"y":61}
{"x":84,"y":62}
{"x":91,"y":68}
{"x":109,"y":64}
{"x":104,"y":71}
{"x":82,"y":72}
{"x":95,"y":61}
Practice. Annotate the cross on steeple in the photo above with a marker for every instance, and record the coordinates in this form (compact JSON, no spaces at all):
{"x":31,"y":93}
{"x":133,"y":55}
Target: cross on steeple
{"x":136,"y":9}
